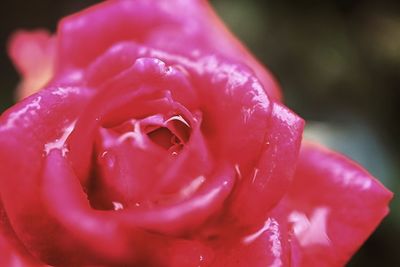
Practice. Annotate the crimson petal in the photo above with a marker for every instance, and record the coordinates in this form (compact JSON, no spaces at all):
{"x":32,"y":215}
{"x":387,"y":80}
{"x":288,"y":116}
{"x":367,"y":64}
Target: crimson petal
{"x":180,"y":26}
{"x":124,"y":230}
{"x":334,"y":206}
{"x":260,"y":191}
{"x":34,"y":55}
{"x":12,"y":252}
{"x":24,"y":137}
{"x":268,"y":246}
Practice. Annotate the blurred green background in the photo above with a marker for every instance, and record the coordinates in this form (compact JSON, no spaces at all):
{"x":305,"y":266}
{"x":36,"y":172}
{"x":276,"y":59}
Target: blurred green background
{"x":338,"y":62}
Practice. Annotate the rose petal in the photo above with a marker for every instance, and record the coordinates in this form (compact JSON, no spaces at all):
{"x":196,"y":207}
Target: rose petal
{"x":134,"y":93}
{"x":124,"y":164}
{"x":268,"y":246}
{"x":235,"y":109}
{"x":244,"y":111}
{"x":24,"y":138}
{"x":153,"y":23}
{"x":12,"y":252}
{"x":260,"y":190}
{"x":96,"y":230}
{"x":334,"y":206}
{"x":123,"y":56}
{"x":187,"y":214}
{"x":245,"y":108}
{"x":127,"y":169}
{"x":33,"y":54}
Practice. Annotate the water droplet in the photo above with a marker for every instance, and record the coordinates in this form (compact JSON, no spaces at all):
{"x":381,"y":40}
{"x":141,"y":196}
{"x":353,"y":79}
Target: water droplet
{"x":201,"y":259}
{"x":168,"y":69}
{"x":252,"y":237}
{"x":117,"y":205}
{"x":192,"y":186}
{"x":60,"y":142}
{"x":238,"y":172}
{"x":104,"y":154}
{"x":256,"y":170}
{"x":107,"y":159}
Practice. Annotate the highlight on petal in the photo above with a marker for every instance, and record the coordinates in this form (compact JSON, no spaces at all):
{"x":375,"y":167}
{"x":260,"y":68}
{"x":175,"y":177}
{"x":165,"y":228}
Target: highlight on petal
{"x":33,"y":54}
{"x":333,"y":205}
{"x":267,"y":246}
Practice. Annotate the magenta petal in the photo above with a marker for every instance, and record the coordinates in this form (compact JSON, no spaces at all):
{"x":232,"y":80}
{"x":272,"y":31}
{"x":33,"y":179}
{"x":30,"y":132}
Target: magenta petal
{"x":189,"y":213}
{"x":175,"y":26}
{"x":262,"y":188}
{"x":267,"y":246}
{"x":34,"y":55}
{"x":334,"y":206}
{"x":12,"y":252}
{"x":235,"y":109}
{"x":114,"y":238}
{"x":25,"y":138}
{"x":121,"y":58}
{"x":115,"y":98}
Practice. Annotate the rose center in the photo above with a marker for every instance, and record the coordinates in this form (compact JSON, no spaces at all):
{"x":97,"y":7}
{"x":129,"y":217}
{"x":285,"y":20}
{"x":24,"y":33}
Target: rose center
{"x":165,"y":139}
{"x":133,"y":156}
{"x":173,"y":136}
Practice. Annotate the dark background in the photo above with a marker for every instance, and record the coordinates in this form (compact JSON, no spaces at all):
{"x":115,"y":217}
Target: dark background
{"x":338,"y":62}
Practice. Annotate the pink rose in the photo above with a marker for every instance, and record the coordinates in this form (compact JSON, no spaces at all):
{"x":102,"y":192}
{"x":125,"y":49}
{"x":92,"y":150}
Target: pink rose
{"x":156,"y":139}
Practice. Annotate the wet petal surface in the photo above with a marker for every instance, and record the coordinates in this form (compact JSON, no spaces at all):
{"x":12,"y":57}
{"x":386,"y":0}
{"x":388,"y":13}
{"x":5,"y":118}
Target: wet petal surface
{"x":334,"y":205}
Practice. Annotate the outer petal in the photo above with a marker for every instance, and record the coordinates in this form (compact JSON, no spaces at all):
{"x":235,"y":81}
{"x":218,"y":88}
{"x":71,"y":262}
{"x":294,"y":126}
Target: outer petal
{"x":267,"y":183}
{"x":24,"y":138}
{"x":334,"y":206}
{"x":33,"y":54}
{"x":12,"y":252}
{"x":177,"y":26}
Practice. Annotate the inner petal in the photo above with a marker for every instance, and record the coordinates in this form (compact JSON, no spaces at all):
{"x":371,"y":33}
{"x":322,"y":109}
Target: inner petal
{"x":127,"y":166}
{"x":133,"y":158}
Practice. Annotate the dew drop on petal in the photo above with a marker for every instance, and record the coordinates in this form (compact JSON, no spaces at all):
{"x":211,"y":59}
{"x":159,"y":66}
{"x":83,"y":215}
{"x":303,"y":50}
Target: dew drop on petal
{"x":238,"y":172}
{"x":252,"y":237}
{"x":59,"y":143}
{"x":256,"y":170}
{"x":192,"y":186}
{"x":117,"y":205}
{"x":107,"y":159}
